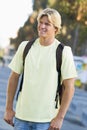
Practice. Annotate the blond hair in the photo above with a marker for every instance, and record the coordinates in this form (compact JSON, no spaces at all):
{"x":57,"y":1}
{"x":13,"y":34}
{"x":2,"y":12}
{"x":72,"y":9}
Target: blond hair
{"x":53,"y":16}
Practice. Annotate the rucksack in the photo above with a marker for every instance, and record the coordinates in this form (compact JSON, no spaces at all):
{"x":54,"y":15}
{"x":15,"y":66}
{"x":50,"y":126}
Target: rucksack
{"x":60,"y":87}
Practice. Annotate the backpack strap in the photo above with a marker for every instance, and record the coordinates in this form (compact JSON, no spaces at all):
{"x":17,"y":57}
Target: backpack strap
{"x":25,"y":52}
{"x":26,"y":49}
{"x":58,"y":66}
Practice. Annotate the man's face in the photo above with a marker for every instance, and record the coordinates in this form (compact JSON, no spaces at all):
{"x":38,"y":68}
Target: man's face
{"x":46,"y":28}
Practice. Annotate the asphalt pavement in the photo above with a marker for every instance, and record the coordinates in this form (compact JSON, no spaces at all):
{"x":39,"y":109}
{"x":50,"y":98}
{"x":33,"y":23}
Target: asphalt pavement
{"x":75,"y":119}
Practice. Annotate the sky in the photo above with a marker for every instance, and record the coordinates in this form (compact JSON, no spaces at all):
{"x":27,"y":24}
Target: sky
{"x":13,"y":14}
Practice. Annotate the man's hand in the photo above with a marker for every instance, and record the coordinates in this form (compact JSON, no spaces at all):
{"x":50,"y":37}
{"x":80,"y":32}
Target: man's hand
{"x":56,"y":124}
{"x":8,"y":117}
{"x":11,"y":90}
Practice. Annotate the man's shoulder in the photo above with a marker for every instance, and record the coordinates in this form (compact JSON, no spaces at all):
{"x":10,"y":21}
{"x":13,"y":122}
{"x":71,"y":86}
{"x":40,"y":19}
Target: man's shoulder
{"x":23,"y":44}
{"x":67,"y":49}
{"x":67,"y":52}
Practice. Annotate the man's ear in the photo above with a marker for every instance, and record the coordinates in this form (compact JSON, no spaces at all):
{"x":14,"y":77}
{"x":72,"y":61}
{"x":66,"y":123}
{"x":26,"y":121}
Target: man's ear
{"x":56,"y":30}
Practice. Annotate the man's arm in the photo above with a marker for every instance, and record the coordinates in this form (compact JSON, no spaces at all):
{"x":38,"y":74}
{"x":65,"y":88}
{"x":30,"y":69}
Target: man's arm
{"x":66,"y":100}
{"x":11,"y":90}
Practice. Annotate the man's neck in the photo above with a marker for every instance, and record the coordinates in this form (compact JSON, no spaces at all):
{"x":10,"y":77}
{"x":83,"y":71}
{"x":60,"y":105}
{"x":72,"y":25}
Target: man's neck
{"x":46,"y":41}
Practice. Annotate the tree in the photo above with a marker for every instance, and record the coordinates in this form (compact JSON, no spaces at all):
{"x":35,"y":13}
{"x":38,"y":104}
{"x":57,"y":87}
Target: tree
{"x":74,"y":25}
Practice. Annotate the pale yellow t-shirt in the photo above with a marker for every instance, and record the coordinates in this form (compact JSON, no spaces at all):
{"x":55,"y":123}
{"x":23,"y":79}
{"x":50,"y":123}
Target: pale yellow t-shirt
{"x":36,"y":101}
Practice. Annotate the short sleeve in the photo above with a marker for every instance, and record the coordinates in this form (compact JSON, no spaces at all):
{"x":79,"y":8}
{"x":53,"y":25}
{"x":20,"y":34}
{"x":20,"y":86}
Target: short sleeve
{"x":16,"y":64}
{"x":68,"y":68}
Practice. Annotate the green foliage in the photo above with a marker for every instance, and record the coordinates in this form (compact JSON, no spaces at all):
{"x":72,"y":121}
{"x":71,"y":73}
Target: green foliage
{"x":40,"y":4}
{"x":83,"y":33}
{"x":74,"y":23}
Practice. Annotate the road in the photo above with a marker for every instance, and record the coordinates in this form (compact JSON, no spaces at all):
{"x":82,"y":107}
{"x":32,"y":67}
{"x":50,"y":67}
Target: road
{"x":75,"y":119}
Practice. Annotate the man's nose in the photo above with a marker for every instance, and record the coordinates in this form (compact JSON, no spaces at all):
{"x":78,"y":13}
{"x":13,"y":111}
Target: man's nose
{"x":43,"y":25}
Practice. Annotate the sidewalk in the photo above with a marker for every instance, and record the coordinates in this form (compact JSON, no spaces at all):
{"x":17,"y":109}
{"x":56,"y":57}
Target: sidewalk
{"x":4,"y":126}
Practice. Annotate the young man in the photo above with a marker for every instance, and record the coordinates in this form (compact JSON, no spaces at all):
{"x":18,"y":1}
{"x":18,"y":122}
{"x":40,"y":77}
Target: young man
{"x":35,"y":109}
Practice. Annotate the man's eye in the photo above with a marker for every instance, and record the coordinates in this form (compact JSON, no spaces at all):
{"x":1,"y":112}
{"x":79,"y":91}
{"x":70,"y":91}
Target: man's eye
{"x":47,"y":24}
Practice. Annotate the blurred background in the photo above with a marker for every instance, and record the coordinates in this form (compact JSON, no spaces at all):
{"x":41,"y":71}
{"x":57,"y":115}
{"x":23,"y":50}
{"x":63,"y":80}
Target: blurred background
{"x":18,"y":23}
